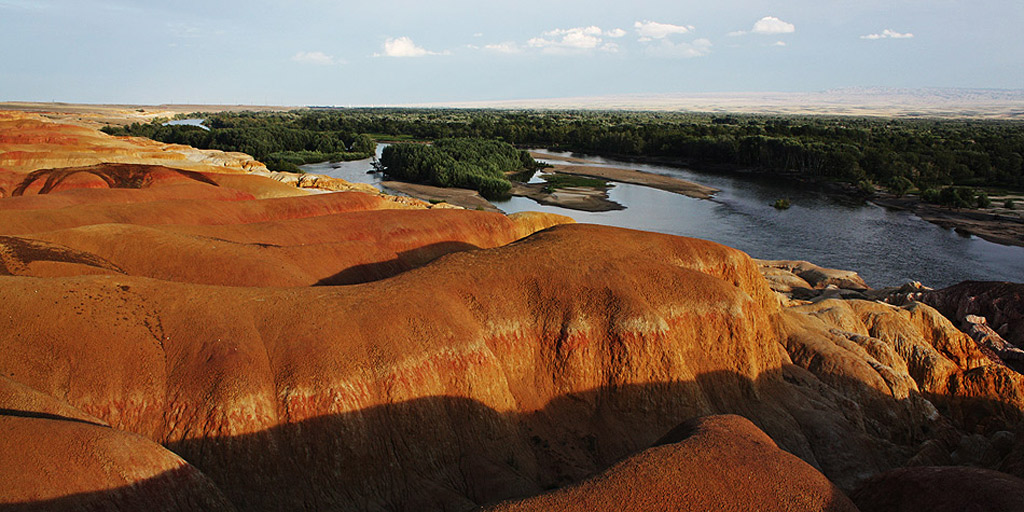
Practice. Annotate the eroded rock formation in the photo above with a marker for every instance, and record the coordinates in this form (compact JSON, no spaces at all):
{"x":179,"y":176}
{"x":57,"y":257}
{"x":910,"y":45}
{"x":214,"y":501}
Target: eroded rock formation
{"x":480,"y":358}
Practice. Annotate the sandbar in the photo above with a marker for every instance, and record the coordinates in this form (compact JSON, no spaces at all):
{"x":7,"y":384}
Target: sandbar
{"x":464,"y":197}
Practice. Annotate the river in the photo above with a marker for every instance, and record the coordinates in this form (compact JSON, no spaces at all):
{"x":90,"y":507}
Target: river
{"x":886,"y":247}
{"x":188,"y":122}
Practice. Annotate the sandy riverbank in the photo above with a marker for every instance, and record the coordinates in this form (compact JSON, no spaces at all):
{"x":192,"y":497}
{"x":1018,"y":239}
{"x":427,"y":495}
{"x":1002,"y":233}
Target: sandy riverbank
{"x":623,"y":175}
{"x":994,"y":227}
{"x":464,"y":197}
{"x":587,"y":199}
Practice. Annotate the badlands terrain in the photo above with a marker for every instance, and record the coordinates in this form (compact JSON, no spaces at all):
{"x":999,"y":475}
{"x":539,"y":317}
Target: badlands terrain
{"x":185,"y":330}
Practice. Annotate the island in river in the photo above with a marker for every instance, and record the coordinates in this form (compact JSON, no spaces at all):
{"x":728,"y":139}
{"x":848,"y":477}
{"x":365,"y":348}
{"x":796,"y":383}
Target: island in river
{"x":580,"y":197}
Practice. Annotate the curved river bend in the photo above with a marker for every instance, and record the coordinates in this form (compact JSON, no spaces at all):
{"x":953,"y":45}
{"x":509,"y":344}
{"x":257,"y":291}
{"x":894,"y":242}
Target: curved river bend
{"x":886,"y":247}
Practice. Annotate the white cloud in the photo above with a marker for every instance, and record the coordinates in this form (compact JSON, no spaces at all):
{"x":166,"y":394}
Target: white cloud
{"x":577,"y":39}
{"x":319,"y":58}
{"x":649,"y":30}
{"x":888,"y":34}
{"x":773,"y":25}
{"x":404,"y":47}
{"x":667,"y":49}
{"x":506,"y":47}
{"x":779,"y":43}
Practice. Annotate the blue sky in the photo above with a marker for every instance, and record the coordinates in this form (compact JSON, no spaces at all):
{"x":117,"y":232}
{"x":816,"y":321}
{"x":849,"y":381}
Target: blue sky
{"x":320,"y":52}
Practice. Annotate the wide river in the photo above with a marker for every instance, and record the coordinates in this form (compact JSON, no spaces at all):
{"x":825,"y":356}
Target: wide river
{"x":886,"y":247}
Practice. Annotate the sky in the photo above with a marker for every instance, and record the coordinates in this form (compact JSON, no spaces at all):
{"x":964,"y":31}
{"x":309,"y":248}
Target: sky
{"x":386,"y":52}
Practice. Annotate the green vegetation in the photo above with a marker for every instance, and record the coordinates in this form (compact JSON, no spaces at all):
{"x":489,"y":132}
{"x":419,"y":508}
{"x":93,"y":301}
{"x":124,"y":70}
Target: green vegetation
{"x":557,"y":181}
{"x":278,"y":140}
{"x":781,"y":204}
{"x":925,"y":153}
{"x":957,"y":197}
{"x":981,"y":199}
{"x":478,"y":164}
{"x":900,"y":185}
{"x":1009,"y":204}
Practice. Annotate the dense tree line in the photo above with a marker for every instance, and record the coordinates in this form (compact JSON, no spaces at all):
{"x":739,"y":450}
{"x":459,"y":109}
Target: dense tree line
{"x":479,"y":164}
{"x":276,"y":144}
{"x":928,"y":153}
{"x":900,"y":154}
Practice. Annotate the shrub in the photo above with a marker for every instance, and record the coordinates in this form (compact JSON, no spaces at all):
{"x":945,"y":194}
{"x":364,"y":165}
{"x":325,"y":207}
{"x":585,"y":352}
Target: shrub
{"x":957,"y":197}
{"x":981,"y":200}
{"x":866,"y":187}
{"x":900,"y":185}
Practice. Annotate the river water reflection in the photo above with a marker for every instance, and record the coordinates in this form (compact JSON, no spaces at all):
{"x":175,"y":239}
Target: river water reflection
{"x":885,"y":247}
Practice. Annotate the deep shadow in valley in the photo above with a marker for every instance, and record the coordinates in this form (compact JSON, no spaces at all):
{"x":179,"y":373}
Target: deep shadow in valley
{"x":402,"y":262}
{"x":452,"y":453}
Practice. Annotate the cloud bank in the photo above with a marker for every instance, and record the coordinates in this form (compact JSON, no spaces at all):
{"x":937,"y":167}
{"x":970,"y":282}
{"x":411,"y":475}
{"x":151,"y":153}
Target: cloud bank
{"x":888,"y":34}
{"x":404,"y":47}
{"x":649,"y":30}
{"x":769,"y":25}
{"x":576,"y":39}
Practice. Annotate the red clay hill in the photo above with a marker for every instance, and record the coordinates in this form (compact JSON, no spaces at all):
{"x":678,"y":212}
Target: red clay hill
{"x":185,"y":338}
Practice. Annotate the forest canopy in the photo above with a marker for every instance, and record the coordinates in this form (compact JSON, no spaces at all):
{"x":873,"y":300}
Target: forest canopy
{"x":279,"y":145}
{"x":899,"y":154}
{"x":478,"y":164}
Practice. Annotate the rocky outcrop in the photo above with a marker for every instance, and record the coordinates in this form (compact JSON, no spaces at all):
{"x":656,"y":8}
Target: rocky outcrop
{"x":907,"y":351}
{"x":797,"y":274}
{"x":708,"y":464}
{"x":978,"y":329}
{"x":1001,"y":303}
{"x":941,"y":489}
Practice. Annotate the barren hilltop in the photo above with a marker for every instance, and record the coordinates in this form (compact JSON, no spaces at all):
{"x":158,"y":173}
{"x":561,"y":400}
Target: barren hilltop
{"x":186,"y":330}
